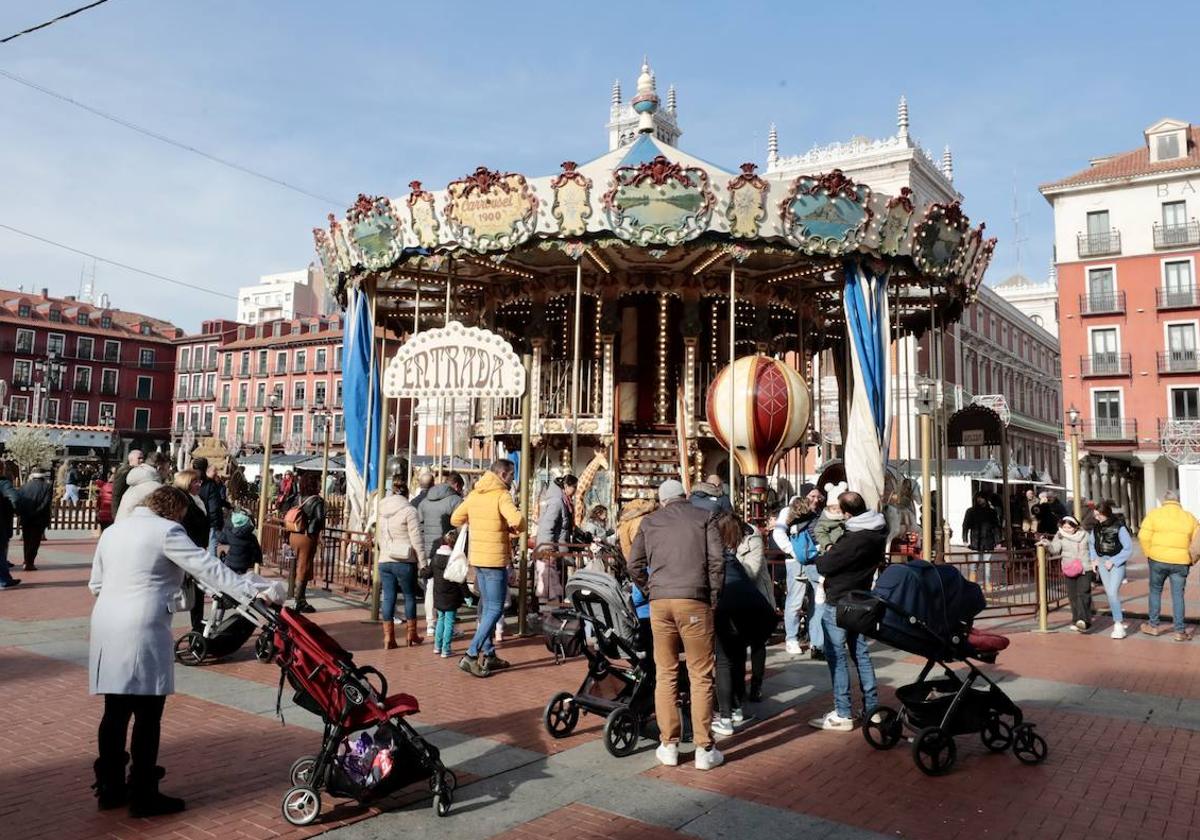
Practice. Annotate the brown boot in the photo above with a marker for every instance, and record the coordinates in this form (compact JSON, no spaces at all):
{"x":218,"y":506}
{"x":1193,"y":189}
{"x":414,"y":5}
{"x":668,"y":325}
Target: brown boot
{"x":389,"y":635}
{"x":413,"y":638}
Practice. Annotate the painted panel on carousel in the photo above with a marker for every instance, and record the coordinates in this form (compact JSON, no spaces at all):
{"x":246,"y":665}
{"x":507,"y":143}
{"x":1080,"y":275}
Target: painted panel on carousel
{"x":572,"y":205}
{"x":967,"y":254}
{"x":747,"y":203}
{"x":759,"y":412}
{"x":422,"y":215}
{"x":326,"y":253}
{"x":893,"y":232}
{"x":490,"y":211}
{"x":374,"y":228}
{"x":659,"y":202}
{"x":341,"y":243}
{"x":982,"y":260}
{"x":455,"y":361}
{"x":938,"y":238}
{"x":827,"y":214}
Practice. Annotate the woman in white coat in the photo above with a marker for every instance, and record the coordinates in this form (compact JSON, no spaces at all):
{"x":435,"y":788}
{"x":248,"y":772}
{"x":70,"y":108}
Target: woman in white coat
{"x":136,"y":573}
{"x":141,"y":481}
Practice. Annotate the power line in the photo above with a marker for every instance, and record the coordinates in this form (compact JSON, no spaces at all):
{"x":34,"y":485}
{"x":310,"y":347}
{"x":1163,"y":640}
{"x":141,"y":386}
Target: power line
{"x":125,"y":266}
{"x":179,"y":144}
{"x":52,"y":21}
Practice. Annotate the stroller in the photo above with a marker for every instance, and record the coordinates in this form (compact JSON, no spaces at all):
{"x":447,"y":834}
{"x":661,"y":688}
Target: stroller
{"x":619,"y":684}
{"x":229,"y":626}
{"x":349,"y":698}
{"x":927,"y":610}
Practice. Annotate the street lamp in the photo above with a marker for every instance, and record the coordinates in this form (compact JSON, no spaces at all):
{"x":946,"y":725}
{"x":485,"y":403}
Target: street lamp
{"x":925,"y":413}
{"x":1073,"y":425}
{"x":272,"y":407}
{"x":322,"y":414}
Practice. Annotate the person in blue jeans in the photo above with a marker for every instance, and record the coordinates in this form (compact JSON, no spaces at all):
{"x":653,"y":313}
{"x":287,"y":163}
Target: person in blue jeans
{"x":849,"y":565}
{"x":793,"y":536}
{"x":1111,"y":547}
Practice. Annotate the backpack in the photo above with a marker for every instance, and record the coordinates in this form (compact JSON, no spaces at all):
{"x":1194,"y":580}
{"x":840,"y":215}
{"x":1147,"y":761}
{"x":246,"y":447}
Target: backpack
{"x":294,"y":521}
{"x":563,"y":634}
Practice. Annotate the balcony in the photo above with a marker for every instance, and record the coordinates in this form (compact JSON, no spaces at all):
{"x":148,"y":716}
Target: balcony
{"x":1110,"y":431}
{"x":1179,"y":361}
{"x":1099,"y":244}
{"x":1177,"y":298}
{"x":1102,"y":303}
{"x":1104,"y":364}
{"x":1178,"y":427}
{"x":1177,"y":236}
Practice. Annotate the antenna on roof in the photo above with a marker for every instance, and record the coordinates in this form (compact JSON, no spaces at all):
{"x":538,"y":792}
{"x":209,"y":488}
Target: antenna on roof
{"x":1016,"y":220}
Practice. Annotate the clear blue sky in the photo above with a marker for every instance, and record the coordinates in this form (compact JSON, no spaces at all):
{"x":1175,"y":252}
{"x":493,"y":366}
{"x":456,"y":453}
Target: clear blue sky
{"x":344,"y":98}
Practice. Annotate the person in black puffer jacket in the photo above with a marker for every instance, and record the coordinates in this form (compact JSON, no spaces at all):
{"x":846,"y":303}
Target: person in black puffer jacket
{"x":448,"y":596}
{"x":244,"y":551}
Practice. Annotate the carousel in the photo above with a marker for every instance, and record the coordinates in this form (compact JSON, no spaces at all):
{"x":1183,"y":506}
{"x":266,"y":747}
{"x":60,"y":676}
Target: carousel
{"x":639,"y":316}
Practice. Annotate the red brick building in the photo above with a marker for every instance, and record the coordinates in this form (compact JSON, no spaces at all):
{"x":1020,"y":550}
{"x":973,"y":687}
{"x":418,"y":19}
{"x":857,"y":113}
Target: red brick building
{"x":72,"y":364}
{"x":1126,"y":243}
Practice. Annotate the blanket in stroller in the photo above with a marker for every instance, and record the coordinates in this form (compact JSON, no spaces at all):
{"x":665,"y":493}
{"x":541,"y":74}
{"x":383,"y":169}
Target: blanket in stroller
{"x":938,"y":596}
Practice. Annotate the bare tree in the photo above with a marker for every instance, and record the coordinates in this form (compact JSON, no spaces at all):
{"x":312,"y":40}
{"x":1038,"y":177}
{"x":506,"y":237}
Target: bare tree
{"x":32,"y":448}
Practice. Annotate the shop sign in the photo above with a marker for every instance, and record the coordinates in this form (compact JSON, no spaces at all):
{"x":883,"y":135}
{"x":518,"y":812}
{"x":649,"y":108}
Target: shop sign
{"x":455,"y":361}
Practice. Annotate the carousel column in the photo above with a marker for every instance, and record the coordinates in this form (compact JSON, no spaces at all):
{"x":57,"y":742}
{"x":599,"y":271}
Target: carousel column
{"x":608,"y":381}
{"x":689,"y":386}
{"x":535,"y":384}
{"x":660,"y":397}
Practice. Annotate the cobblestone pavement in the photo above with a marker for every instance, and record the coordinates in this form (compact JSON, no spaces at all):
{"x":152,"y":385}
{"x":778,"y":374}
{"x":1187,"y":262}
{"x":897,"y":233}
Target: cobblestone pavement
{"x":1119,"y":716}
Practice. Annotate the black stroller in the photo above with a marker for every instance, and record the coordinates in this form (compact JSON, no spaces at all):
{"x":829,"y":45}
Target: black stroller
{"x":619,"y":684}
{"x":927,"y":610}
{"x":227,"y":627}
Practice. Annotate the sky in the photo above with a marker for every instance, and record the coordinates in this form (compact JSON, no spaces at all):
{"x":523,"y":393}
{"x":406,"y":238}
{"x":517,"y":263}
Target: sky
{"x":343,"y":98}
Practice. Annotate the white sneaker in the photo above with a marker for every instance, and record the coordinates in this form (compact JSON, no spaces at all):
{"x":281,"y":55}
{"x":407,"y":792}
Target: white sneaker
{"x":667,"y":754}
{"x":1118,"y":631}
{"x":737,"y":716}
{"x":793,"y":647}
{"x":833,"y":722}
{"x":722,"y":726}
{"x":707,"y":759}
{"x":1081,"y":625}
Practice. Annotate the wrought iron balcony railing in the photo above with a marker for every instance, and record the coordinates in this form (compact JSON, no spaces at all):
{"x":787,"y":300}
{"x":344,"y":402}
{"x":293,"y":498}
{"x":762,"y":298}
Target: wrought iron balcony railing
{"x":1177,"y":236}
{"x":1179,"y":361}
{"x":1102,"y":303}
{"x":1177,"y":298}
{"x":1110,"y":431}
{"x":1105,"y":364}
{"x":1099,"y":244}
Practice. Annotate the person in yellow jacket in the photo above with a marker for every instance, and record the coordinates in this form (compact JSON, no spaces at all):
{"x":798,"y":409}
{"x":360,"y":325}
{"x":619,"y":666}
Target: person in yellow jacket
{"x":491,"y":517}
{"x":1166,"y":536}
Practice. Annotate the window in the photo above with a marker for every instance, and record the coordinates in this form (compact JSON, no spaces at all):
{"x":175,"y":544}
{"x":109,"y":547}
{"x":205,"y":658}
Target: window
{"x":1177,"y":282}
{"x":210,"y":386}
{"x":277,"y":426}
{"x":225,"y":389}
{"x":1102,"y":290}
{"x":212,"y":357}
{"x":18,"y":408}
{"x":23,"y":310}
{"x":55,"y":315}
{"x":245,"y":366}
{"x":83,"y":379}
{"x":108,"y":381}
{"x":197,"y":385}
{"x":106,"y":322}
{"x":180,"y":420}
{"x":337,"y":357}
{"x":79,"y":412}
{"x":145,"y":329}
{"x":196,"y":417}
{"x":1097,"y":223}
{"x":1185,"y":403}
{"x":1107,"y":413}
{"x":1106,"y":357}
{"x":52,"y":411}
{"x":337,"y":392}
{"x":24,"y":341}
{"x":319,"y":389}
{"x":243,"y":395}
{"x":339,"y":428}
{"x":22,"y":373}
{"x":181,"y":390}
{"x":227,"y":370}
{"x":145,"y":387}
{"x":262,"y":362}
{"x":56,"y":343}
{"x":322,"y":354}
{"x":301,"y":361}
{"x":222,"y":428}
{"x":1174,"y":213}
{"x":112,"y":351}
{"x":260,"y":395}
{"x":82,"y":319}
{"x":185,"y":358}
{"x":141,"y":417}
{"x":84,"y":347}
{"x":239,"y":427}
{"x":298,"y":395}
{"x":258,"y":429}
{"x":281,"y":361}
{"x":146,"y":357}
{"x":1166,"y":146}
{"x":1181,"y":347}
{"x":298,"y":426}
{"x":108,"y":413}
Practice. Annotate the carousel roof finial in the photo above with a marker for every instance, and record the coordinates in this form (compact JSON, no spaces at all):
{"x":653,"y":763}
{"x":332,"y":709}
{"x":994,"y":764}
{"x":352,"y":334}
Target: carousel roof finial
{"x":671,"y":100}
{"x":772,"y":145}
{"x":948,"y":164}
{"x":646,"y":101}
{"x":902,"y":117}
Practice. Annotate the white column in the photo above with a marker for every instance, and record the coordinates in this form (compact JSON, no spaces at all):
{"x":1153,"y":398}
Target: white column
{"x":1150,"y":485}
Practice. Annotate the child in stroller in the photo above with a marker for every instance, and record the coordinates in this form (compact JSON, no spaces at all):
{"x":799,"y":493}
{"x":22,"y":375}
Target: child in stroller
{"x":228,"y":626}
{"x":387,"y":755}
{"x":619,"y":684}
{"x":928,"y":611}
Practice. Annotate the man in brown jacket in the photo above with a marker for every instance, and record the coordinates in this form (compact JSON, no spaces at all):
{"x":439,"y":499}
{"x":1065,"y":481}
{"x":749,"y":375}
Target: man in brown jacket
{"x":678,"y":561}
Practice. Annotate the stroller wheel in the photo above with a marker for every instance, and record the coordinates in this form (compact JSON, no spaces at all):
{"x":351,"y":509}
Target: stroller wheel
{"x":561,"y":715}
{"x":442,"y":802}
{"x":301,"y":773}
{"x":191,"y":648}
{"x":934,"y":751}
{"x":1028,"y":746}
{"x":621,"y":732}
{"x":997,"y":735}
{"x":883,"y":728}
{"x":264,"y":646}
{"x":301,"y":805}
{"x":445,"y":780}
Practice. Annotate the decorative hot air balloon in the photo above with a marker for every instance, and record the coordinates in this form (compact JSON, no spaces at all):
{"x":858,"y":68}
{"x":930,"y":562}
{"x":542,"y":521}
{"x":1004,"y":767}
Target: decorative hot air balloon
{"x":766,"y":414}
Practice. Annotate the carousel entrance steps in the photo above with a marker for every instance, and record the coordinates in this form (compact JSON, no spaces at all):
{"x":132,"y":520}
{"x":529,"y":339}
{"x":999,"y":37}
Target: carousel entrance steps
{"x":649,"y":456}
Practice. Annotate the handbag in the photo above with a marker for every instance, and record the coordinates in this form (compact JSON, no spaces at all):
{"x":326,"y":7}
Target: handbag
{"x":1072,"y":568}
{"x":859,"y":612}
{"x":457,"y":566}
{"x":185,"y":598}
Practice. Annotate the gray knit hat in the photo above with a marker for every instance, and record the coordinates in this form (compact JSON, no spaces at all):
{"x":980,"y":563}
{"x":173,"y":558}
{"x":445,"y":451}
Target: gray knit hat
{"x":672,"y":488}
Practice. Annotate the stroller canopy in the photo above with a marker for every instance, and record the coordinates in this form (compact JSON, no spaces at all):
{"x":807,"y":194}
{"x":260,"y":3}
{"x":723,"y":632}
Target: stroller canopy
{"x":602,"y":599}
{"x":939,"y":597}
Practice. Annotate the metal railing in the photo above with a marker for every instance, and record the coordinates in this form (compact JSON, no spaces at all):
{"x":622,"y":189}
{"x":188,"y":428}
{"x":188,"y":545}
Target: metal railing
{"x":1177,"y":298}
{"x":1104,"y":364}
{"x":1176,"y":236}
{"x":1101,"y":303}
{"x":1115,"y":431}
{"x":344,"y":558}
{"x":1179,"y":361}
{"x":1099,"y":244}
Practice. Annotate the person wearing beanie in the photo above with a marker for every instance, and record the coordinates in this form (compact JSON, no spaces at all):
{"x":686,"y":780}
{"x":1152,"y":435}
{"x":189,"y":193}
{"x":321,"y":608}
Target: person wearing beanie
{"x":244,"y":551}
{"x":678,"y":561}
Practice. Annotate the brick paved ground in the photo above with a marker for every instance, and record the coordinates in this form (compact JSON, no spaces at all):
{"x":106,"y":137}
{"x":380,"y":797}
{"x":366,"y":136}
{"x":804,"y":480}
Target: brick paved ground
{"x":1123,"y":729}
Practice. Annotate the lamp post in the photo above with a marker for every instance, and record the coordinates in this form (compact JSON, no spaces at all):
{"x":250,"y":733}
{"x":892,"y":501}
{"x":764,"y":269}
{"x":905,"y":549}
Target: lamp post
{"x":324,"y":415}
{"x":1073,"y":425}
{"x":925,"y":413}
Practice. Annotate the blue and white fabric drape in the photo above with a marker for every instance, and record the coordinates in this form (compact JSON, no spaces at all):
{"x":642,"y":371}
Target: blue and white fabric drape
{"x":360,"y":391}
{"x":867,"y":329}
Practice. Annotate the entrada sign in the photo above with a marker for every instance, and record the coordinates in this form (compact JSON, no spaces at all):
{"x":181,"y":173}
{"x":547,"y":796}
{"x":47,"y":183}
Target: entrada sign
{"x":455,"y":361}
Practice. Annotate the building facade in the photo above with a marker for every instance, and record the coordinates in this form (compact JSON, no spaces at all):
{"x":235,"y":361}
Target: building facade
{"x":1126,"y":242}
{"x":197,"y":358}
{"x":68,"y":364}
{"x":299,"y":364}
{"x":1037,"y":301}
{"x":291,"y":294}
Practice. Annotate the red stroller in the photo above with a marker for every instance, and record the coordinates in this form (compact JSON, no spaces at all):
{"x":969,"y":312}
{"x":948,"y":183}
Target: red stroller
{"x":387,"y":755}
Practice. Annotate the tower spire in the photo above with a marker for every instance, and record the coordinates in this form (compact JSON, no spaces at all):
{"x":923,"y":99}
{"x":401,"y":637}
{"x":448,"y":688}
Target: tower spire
{"x":902,"y":117}
{"x":616,"y":97}
{"x":671,"y":100}
{"x":948,"y":164}
{"x":772,"y":146}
